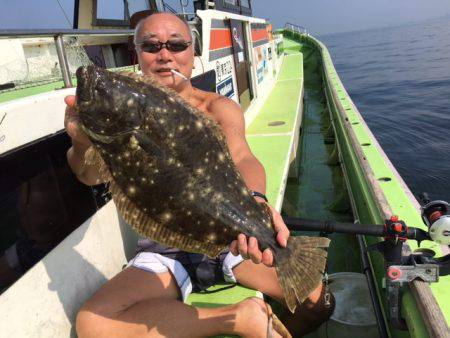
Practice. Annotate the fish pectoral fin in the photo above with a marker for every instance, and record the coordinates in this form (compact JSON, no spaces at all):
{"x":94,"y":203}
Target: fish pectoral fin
{"x":92,"y":157}
{"x":148,"y":145}
{"x":148,"y":227}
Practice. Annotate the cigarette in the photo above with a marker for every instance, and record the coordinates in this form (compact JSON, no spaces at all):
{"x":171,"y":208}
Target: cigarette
{"x":179,"y":74}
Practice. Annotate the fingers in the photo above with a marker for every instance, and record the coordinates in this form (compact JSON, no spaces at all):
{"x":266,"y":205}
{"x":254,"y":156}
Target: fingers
{"x":71,"y":122}
{"x":250,"y":250}
{"x":70,"y":117}
{"x":70,"y":100}
{"x":253,"y":251}
{"x":242,"y":246}
{"x":281,"y":228}
{"x":267,"y":257}
{"x":234,"y":248}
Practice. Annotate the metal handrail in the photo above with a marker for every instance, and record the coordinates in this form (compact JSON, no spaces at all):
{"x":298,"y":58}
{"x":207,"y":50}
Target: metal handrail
{"x":58,"y":35}
{"x":36,"y":33}
{"x":295,"y":28}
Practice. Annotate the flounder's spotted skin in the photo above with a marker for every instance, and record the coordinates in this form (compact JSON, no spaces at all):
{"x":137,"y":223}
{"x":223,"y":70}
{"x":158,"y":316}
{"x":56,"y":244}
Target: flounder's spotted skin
{"x":172,"y":177}
{"x":170,"y":161}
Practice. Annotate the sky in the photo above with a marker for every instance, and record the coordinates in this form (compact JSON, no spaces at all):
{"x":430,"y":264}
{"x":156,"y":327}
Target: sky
{"x":320,"y":17}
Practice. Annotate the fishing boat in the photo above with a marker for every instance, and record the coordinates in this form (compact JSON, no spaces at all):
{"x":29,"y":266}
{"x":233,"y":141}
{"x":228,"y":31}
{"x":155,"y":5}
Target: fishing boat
{"x":61,"y":240}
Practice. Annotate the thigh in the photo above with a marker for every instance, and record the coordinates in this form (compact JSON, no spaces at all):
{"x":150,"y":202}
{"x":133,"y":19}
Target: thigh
{"x":259,"y":277}
{"x":129,"y":287}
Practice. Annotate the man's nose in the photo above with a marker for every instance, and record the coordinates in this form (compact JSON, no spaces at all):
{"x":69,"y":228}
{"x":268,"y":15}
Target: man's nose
{"x":165,"y":55}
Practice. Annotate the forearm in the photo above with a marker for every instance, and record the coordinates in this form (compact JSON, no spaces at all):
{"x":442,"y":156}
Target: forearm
{"x":87,"y":174}
{"x":253,"y":173}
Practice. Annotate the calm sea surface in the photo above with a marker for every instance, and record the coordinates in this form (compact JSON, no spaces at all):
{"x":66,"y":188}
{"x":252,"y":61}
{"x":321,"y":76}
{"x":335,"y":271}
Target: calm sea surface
{"x":399,"y":78}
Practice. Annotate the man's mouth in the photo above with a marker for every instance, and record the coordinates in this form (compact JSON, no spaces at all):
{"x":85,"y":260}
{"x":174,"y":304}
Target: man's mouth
{"x":165,"y":71}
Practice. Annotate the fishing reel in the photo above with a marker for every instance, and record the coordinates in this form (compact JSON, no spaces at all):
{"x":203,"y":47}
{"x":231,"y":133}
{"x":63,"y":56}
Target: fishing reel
{"x":402,"y":266}
{"x":436,"y":216}
{"x":420,"y":265}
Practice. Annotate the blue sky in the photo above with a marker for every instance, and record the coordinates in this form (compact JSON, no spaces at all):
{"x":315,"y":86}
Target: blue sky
{"x":319,"y":16}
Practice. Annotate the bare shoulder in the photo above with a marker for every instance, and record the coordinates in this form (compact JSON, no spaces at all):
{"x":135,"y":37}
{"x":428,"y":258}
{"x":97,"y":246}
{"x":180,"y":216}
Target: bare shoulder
{"x":224,"y":108}
{"x":218,"y":102}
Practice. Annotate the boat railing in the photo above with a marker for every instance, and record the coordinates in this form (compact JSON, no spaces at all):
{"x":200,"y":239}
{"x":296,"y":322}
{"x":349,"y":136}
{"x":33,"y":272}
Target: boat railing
{"x":58,"y":36}
{"x":295,"y":28}
{"x":66,"y":37}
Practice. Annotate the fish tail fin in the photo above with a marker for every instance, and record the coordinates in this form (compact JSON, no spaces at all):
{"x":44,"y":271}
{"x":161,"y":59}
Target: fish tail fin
{"x":300,"y":267}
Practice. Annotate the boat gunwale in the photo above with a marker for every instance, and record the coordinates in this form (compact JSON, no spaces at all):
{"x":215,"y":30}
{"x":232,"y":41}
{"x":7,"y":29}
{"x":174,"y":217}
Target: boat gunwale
{"x":425,"y":300}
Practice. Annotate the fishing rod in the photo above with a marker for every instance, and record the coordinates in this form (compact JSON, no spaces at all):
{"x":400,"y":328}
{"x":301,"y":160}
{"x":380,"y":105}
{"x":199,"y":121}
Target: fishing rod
{"x":401,"y":267}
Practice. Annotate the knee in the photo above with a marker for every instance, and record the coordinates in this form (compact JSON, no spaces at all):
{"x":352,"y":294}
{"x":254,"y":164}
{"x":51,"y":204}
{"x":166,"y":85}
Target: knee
{"x":310,"y":314}
{"x":86,"y":323}
{"x":320,"y":306}
{"x":92,"y":321}
{"x":323,"y":308}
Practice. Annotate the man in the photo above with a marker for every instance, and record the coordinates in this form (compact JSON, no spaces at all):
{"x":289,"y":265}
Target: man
{"x":144,"y":299}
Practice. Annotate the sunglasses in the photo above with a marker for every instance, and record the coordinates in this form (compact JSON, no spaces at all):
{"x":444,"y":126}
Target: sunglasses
{"x":175,"y":46}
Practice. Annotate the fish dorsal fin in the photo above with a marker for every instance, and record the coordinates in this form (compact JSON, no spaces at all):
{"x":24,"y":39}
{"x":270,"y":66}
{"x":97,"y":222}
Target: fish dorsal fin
{"x":147,"y":227}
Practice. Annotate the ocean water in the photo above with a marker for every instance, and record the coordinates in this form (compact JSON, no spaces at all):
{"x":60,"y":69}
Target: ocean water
{"x":399,"y":78}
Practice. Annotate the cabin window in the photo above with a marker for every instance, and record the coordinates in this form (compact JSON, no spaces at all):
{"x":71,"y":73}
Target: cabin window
{"x":41,"y":203}
{"x":245,"y":3}
{"x":137,"y":6}
{"x":235,"y":6}
{"x":110,"y":13}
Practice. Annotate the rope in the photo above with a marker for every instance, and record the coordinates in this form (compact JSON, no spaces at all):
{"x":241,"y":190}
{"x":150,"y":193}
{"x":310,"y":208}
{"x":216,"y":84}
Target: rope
{"x":64,"y":13}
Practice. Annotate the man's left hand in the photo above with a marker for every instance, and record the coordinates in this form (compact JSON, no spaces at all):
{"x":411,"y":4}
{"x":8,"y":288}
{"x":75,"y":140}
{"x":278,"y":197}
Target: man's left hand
{"x":249,"y":248}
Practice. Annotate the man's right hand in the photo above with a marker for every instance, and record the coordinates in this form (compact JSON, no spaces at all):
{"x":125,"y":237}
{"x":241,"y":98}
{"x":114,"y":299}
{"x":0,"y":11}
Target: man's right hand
{"x":80,"y":143}
{"x":71,"y":123}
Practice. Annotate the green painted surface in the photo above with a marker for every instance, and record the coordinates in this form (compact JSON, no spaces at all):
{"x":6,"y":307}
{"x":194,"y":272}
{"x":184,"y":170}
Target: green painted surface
{"x":221,"y":294}
{"x":290,"y":46}
{"x":279,"y":107}
{"x":362,"y":193}
{"x":272,"y":152}
{"x":282,"y":104}
{"x":25,"y":92}
{"x":9,"y":95}
{"x":292,"y":68}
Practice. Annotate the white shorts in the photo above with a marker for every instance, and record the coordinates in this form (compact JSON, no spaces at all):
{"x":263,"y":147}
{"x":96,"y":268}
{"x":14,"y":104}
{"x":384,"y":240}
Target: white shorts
{"x":157,"y":263}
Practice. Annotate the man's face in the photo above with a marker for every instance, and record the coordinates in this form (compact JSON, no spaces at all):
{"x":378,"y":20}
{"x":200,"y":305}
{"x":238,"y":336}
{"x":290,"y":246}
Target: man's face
{"x":163,"y":28}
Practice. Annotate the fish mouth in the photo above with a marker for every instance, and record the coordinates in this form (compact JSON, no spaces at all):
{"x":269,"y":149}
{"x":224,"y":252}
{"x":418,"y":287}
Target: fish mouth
{"x":97,"y":137}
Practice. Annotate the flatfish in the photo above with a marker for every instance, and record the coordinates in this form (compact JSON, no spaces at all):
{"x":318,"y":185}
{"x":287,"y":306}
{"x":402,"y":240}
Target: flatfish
{"x":172,"y":177}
